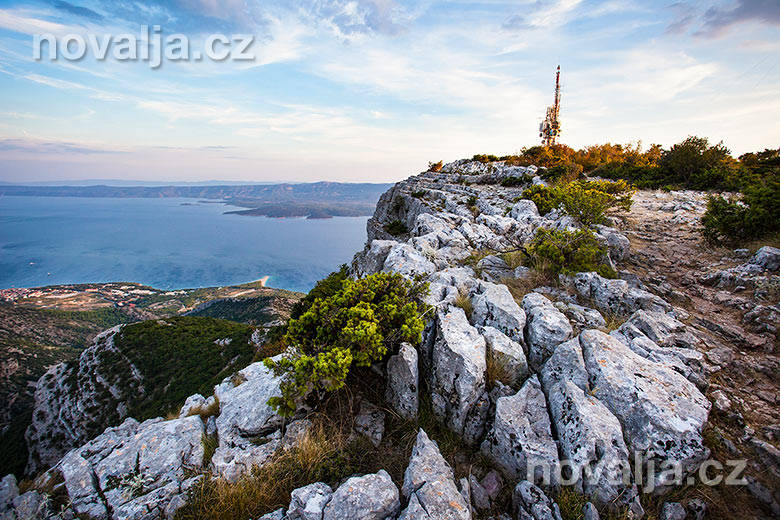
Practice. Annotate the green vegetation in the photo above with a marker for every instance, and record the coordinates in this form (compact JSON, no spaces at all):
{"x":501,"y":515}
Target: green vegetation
{"x":396,"y":228}
{"x":756,"y":213}
{"x":356,"y":326}
{"x":178,"y":357}
{"x":510,"y":182}
{"x":564,"y":252}
{"x":588,"y":201}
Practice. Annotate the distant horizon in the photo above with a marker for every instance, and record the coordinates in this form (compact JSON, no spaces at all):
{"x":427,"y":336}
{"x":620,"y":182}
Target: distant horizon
{"x":138,"y":183}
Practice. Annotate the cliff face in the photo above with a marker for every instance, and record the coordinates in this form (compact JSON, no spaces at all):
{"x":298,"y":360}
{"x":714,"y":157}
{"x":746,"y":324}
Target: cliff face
{"x":584,"y":382}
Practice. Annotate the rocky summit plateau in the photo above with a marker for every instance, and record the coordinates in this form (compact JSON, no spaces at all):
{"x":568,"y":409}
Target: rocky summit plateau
{"x":563,"y":396}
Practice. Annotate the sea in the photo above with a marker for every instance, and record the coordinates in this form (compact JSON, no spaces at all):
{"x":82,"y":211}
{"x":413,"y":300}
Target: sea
{"x":168,"y":243}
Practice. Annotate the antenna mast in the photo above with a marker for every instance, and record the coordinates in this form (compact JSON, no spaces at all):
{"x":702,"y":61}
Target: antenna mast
{"x":550,"y":128}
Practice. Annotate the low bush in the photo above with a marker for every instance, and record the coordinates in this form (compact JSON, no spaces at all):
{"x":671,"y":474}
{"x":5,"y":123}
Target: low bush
{"x":510,"y":182}
{"x":396,"y":228}
{"x":588,"y":201}
{"x":566,"y":252}
{"x":545,"y":198}
{"x":356,"y":326}
{"x":435,"y":166}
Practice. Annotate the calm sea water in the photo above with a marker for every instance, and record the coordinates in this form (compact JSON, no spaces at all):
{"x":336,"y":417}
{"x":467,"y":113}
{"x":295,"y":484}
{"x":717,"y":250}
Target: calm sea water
{"x":166,"y":243}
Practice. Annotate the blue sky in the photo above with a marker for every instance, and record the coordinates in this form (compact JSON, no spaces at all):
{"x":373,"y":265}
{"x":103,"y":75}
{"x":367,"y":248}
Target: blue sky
{"x":371,"y":90}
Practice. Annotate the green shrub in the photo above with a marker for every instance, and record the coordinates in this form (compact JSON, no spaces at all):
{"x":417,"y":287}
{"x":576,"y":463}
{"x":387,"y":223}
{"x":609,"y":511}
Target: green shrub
{"x":326,"y":287}
{"x":588,"y":201}
{"x":756,"y":215}
{"x":565,"y":252}
{"x":561,"y":172}
{"x":419,"y":194}
{"x":356,"y":326}
{"x":396,"y":228}
{"x":545,"y":198}
{"x":509,"y":182}
{"x":485,"y":158}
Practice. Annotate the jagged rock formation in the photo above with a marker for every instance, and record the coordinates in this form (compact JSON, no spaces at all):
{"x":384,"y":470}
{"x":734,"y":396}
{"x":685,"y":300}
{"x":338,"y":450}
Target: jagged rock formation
{"x":581,"y":403}
{"x":76,"y":401}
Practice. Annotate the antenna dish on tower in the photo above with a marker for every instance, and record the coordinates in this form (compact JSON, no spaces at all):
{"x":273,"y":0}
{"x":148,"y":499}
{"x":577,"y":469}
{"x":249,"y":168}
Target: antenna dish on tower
{"x":550,"y":128}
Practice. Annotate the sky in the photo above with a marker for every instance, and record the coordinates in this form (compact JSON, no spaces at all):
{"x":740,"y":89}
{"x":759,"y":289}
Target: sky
{"x":372,"y":90}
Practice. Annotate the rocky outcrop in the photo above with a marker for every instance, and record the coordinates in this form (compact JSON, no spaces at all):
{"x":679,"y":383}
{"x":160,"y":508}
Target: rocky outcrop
{"x":403,"y":382}
{"x":458,"y":392}
{"x":547,"y":397}
{"x":429,"y":485}
{"x":247,"y":427}
{"x":520,"y":441}
{"x":134,"y":470}
{"x":661,"y":412}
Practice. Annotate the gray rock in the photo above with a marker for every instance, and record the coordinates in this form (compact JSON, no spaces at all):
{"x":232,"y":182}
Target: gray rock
{"x":767,"y":257}
{"x":507,"y":354}
{"x":547,"y":328}
{"x":372,"y":259}
{"x":31,"y":506}
{"x":403,"y":382}
{"x":429,"y":483}
{"x":370,"y":497}
{"x":617,"y":243}
{"x":566,"y":364}
{"x":661,"y":412}
{"x":407,"y":261}
{"x":425,"y":465}
{"x":672,"y":511}
{"x":591,"y":443}
{"x":370,"y":421}
{"x":660,"y":328}
{"x":495,"y":307}
{"x":192,"y":405}
{"x":8,"y":491}
{"x":295,"y":432}
{"x":479,"y":496}
{"x":520,"y":441}
{"x":308,"y":502}
{"x":615,"y":296}
{"x":458,"y":375}
{"x":584,"y":317}
{"x":524,"y":210}
{"x":589,"y":512}
{"x":245,"y":418}
{"x":532,"y":501}
{"x":134,"y":469}
{"x":492,"y":483}
{"x":495,"y":268}
{"x":274,"y":515}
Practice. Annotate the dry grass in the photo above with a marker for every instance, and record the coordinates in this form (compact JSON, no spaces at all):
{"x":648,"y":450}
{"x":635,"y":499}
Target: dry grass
{"x":519,"y":287}
{"x":614,"y":321}
{"x":513,"y":259}
{"x":498,"y":370}
{"x":463,"y":301}
{"x":205,"y":411}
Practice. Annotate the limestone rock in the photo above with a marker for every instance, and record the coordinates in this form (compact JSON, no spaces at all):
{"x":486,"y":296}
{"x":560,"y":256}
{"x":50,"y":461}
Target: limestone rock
{"x":425,"y":465}
{"x":133,"y":470}
{"x":403,"y":382}
{"x":458,"y":375}
{"x":407,"y":261}
{"x":532,"y":502}
{"x":507,"y":355}
{"x":767,"y":257}
{"x":370,"y":421}
{"x":430,"y":485}
{"x":308,"y":502}
{"x":566,"y":364}
{"x":661,"y":412}
{"x":591,"y":440}
{"x":245,"y":417}
{"x":495,"y":307}
{"x":521,"y":438}
{"x":546,"y":329}
{"x":370,"y":497}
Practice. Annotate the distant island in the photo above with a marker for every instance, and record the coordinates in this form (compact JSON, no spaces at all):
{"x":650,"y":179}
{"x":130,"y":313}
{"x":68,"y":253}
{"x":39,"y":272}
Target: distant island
{"x":312,"y":200}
